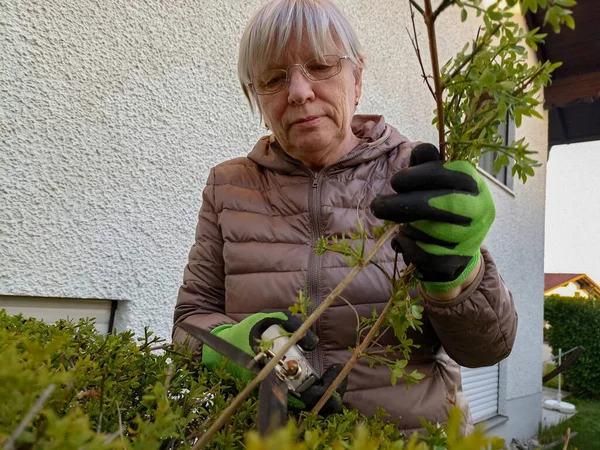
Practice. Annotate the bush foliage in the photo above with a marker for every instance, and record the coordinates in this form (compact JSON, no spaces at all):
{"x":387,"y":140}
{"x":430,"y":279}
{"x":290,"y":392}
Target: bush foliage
{"x":123,"y":392}
{"x":575,"y":321}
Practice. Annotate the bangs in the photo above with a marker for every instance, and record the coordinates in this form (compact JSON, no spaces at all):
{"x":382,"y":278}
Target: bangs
{"x":279,"y":28}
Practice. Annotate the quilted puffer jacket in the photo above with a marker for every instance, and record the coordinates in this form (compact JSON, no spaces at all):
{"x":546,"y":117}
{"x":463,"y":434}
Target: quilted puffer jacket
{"x":259,"y":219}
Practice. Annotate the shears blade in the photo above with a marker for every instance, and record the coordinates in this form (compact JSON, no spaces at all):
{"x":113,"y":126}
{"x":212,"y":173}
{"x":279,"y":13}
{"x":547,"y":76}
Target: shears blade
{"x":223,"y":347}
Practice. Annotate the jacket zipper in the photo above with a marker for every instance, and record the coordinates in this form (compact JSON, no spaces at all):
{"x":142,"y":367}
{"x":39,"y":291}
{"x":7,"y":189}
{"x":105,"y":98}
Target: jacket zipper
{"x":317,"y":358}
{"x":314,"y":263}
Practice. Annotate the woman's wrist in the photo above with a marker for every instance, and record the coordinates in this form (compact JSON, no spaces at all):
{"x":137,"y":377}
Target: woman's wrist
{"x":453,"y":293}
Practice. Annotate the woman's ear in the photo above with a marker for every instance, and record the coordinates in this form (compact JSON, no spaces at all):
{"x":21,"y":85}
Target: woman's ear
{"x":358,"y":71}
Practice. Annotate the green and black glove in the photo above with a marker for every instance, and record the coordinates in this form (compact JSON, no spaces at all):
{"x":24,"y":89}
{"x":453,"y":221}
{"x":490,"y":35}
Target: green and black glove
{"x":247,"y":334}
{"x":447,"y":210}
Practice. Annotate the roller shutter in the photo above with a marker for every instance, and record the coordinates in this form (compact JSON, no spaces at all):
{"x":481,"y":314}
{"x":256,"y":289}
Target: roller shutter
{"x":52,"y":309}
{"x":481,"y":389}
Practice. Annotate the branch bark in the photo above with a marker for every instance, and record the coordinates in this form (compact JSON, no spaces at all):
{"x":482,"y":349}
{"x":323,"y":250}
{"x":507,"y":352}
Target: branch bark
{"x":415,"y":43}
{"x":430,"y":16}
{"x":241,"y":397}
{"x":10,"y":443}
{"x":354,"y":359}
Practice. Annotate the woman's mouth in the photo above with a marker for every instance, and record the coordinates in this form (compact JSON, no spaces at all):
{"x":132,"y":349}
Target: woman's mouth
{"x":307,"y":121}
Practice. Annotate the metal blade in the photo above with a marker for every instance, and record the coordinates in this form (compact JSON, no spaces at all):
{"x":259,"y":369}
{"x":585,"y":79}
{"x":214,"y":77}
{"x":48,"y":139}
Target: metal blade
{"x":223,"y":347}
{"x":272,"y":404}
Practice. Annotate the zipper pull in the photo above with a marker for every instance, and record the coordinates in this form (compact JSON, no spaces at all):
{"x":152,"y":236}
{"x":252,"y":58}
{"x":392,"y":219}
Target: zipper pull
{"x":315,"y":182}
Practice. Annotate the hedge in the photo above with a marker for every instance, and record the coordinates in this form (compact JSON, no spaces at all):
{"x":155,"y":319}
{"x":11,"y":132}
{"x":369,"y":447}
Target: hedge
{"x":575,"y":321}
{"x":123,"y":392}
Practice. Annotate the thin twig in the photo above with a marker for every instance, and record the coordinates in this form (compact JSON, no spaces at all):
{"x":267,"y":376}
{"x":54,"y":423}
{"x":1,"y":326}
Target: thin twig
{"x":121,"y":427}
{"x":241,"y":397}
{"x":355,"y":313}
{"x":437,"y":82}
{"x":415,"y":44}
{"x":443,"y":6}
{"x":358,"y":351}
{"x":417,"y":7}
{"x":160,"y":347}
{"x":566,"y":446}
{"x":382,"y":270}
{"x":99,"y":427}
{"x":168,"y":378}
{"x":10,"y":443}
{"x":472,"y":55}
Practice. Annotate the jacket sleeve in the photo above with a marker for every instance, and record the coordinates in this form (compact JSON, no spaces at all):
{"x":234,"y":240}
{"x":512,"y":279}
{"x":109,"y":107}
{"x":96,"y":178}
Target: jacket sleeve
{"x":478,"y":327}
{"x":201,"y":299}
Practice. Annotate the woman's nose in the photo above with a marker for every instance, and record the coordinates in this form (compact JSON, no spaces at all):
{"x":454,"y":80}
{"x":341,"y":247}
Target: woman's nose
{"x":300,"y":88}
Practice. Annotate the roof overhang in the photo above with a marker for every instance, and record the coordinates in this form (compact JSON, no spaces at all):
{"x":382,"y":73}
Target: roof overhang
{"x":573,"y":98}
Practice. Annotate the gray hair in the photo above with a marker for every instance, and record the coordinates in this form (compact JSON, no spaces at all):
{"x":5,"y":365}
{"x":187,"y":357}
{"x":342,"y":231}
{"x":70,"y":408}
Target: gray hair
{"x":275,"y":24}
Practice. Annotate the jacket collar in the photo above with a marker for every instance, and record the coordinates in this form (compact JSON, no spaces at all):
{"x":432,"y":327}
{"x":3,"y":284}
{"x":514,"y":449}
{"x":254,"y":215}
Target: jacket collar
{"x":376,"y":138}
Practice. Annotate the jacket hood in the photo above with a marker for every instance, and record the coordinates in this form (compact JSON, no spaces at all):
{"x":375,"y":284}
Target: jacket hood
{"x":376,"y":137}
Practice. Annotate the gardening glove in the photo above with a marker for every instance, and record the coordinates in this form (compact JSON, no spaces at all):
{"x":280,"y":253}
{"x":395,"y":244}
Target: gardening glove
{"x":446,"y":209}
{"x":309,"y":398}
{"x":246,"y":335}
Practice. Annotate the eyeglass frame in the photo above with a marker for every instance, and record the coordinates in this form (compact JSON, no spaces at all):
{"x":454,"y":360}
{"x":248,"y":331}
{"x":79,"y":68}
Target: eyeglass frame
{"x":304,"y":72}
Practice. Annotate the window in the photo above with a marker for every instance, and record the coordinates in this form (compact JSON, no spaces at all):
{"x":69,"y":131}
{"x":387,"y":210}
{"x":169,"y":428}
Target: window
{"x":486,"y":162}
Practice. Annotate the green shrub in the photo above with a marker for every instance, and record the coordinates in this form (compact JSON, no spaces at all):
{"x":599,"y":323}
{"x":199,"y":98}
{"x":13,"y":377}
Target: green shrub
{"x":119,"y":392}
{"x":575,"y":321}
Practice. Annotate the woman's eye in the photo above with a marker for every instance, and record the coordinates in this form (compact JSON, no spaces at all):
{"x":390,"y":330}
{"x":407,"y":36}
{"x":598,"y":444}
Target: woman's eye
{"x":274,"y":80}
{"x":318,"y":67}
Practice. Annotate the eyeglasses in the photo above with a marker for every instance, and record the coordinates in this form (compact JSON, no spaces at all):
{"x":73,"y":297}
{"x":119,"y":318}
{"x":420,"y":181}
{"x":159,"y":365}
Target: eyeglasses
{"x":316,"y":69}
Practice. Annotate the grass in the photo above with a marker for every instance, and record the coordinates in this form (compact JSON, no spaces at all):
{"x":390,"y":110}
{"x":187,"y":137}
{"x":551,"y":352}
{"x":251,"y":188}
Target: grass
{"x":553,"y":383}
{"x":586,"y":423}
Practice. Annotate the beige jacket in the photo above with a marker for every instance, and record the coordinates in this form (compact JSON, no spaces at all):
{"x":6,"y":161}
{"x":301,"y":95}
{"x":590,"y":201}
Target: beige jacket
{"x":260,"y":216}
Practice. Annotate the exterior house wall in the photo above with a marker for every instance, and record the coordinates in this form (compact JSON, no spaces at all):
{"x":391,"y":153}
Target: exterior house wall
{"x":517,"y":243}
{"x":115,"y":111}
{"x":570,"y":290}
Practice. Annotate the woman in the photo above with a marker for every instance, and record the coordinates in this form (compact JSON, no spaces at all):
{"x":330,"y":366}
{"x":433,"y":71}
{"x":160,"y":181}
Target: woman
{"x":301,"y":65}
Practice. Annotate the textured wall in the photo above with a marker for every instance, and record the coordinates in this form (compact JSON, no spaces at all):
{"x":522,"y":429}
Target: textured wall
{"x":113,"y":113}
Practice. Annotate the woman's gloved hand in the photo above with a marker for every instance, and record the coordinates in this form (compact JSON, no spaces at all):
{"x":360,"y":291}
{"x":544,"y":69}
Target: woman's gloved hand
{"x":447,"y":210}
{"x":246,"y":335}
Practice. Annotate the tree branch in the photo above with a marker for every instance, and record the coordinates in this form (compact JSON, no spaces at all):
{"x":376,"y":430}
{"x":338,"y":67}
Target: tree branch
{"x":443,"y":6}
{"x":417,"y":7}
{"x":358,"y":351}
{"x":415,"y":44}
{"x":437,"y":82}
{"x":10,"y":443}
{"x":243,"y":395}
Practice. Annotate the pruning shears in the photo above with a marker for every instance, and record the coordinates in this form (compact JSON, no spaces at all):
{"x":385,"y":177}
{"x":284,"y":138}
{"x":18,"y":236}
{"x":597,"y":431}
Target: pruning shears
{"x":292,"y":375}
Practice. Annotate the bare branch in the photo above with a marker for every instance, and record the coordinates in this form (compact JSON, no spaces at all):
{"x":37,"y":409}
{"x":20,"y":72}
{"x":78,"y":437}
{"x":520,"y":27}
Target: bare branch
{"x":99,"y":427}
{"x":415,"y":43}
{"x":358,"y":351}
{"x":355,"y":313}
{"x":567,"y":438}
{"x":10,"y":443}
{"x":161,"y":347}
{"x":437,"y":82}
{"x":417,"y":7}
{"x":443,"y":6}
{"x":243,"y":395}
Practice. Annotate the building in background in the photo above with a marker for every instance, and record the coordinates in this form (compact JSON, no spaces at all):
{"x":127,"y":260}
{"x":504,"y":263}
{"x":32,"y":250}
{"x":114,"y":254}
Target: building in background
{"x":570,"y":285}
{"x":114,"y":112}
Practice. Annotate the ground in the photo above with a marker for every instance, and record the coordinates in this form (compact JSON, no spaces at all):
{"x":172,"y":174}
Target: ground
{"x":586,"y":423}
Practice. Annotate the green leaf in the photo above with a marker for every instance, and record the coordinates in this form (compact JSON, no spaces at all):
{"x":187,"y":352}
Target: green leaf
{"x":569,"y":22}
{"x":487,"y":78}
{"x":463,"y":15}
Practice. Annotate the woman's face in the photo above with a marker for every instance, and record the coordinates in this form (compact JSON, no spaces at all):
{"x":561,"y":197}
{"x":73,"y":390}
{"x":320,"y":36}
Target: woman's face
{"x":311,"y":119}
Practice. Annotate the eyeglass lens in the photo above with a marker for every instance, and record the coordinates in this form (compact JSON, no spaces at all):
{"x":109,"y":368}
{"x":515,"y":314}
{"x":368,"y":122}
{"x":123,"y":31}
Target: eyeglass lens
{"x":275,"y":80}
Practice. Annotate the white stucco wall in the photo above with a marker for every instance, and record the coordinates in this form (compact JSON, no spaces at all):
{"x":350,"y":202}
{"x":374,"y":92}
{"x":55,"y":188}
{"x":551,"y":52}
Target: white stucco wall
{"x":115,"y":111}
